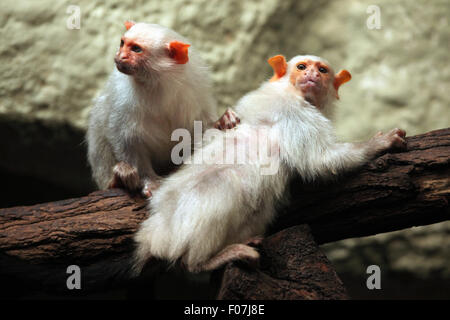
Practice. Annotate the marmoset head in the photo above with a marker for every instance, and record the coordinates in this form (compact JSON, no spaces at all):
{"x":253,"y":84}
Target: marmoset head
{"x":311,"y":76}
{"x":148,"y":49}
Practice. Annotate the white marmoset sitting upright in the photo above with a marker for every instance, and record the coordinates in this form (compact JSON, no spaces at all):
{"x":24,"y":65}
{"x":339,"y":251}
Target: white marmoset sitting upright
{"x":156,"y":87}
{"x":208,"y":212}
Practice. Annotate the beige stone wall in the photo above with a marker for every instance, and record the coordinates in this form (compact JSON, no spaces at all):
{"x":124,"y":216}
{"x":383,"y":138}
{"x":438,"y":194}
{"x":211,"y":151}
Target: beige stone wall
{"x":401,"y":74}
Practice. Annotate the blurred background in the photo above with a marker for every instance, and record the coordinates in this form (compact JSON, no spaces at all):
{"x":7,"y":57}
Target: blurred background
{"x":399,"y":59}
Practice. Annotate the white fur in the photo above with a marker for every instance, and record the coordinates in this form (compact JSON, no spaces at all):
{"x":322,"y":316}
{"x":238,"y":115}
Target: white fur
{"x":133,"y":117}
{"x":200,"y":209}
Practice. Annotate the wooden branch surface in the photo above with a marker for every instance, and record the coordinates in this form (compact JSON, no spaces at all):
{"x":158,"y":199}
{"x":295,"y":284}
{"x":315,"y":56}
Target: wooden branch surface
{"x":292,"y":267}
{"x":393,"y":192}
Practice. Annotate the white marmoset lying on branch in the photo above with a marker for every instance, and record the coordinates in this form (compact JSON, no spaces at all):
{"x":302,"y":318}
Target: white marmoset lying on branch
{"x":209,"y":211}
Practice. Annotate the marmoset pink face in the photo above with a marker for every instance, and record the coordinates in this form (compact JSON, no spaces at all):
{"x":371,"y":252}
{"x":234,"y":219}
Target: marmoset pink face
{"x":310,"y":75}
{"x":135,"y":50}
{"x":130,"y":55}
{"x":312,"y":78}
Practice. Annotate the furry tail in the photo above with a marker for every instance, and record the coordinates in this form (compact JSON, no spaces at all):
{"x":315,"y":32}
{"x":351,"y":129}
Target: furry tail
{"x":100,"y":157}
{"x":139,"y":260}
{"x":143,"y":254}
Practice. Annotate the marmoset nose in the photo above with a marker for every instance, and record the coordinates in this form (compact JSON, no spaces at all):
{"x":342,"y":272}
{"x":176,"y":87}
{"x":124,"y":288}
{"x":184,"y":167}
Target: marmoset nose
{"x":313,"y":74}
{"x":123,"y":55}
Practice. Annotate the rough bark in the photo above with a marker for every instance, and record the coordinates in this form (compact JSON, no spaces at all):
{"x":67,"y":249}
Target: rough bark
{"x":80,"y":228}
{"x":38,"y":243}
{"x":392,"y":192}
{"x":291,"y":268}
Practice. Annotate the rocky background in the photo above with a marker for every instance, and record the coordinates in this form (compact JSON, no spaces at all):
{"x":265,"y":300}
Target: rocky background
{"x":401,"y":77}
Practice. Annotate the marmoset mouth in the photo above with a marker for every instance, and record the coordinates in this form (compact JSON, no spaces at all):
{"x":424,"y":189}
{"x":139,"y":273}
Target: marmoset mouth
{"x":309,"y":79}
{"x":124,"y":68}
{"x":309,"y":84}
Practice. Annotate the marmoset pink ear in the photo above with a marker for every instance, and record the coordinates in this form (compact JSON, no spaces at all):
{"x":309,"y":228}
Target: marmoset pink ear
{"x":129,"y":24}
{"x":340,"y":78}
{"x":179,"y":51}
{"x":279,"y":66}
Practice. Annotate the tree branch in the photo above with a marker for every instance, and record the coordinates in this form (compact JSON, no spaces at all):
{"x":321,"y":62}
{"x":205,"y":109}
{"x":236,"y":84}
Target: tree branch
{"x":393,"y":192}
{"x":291,"y":267}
